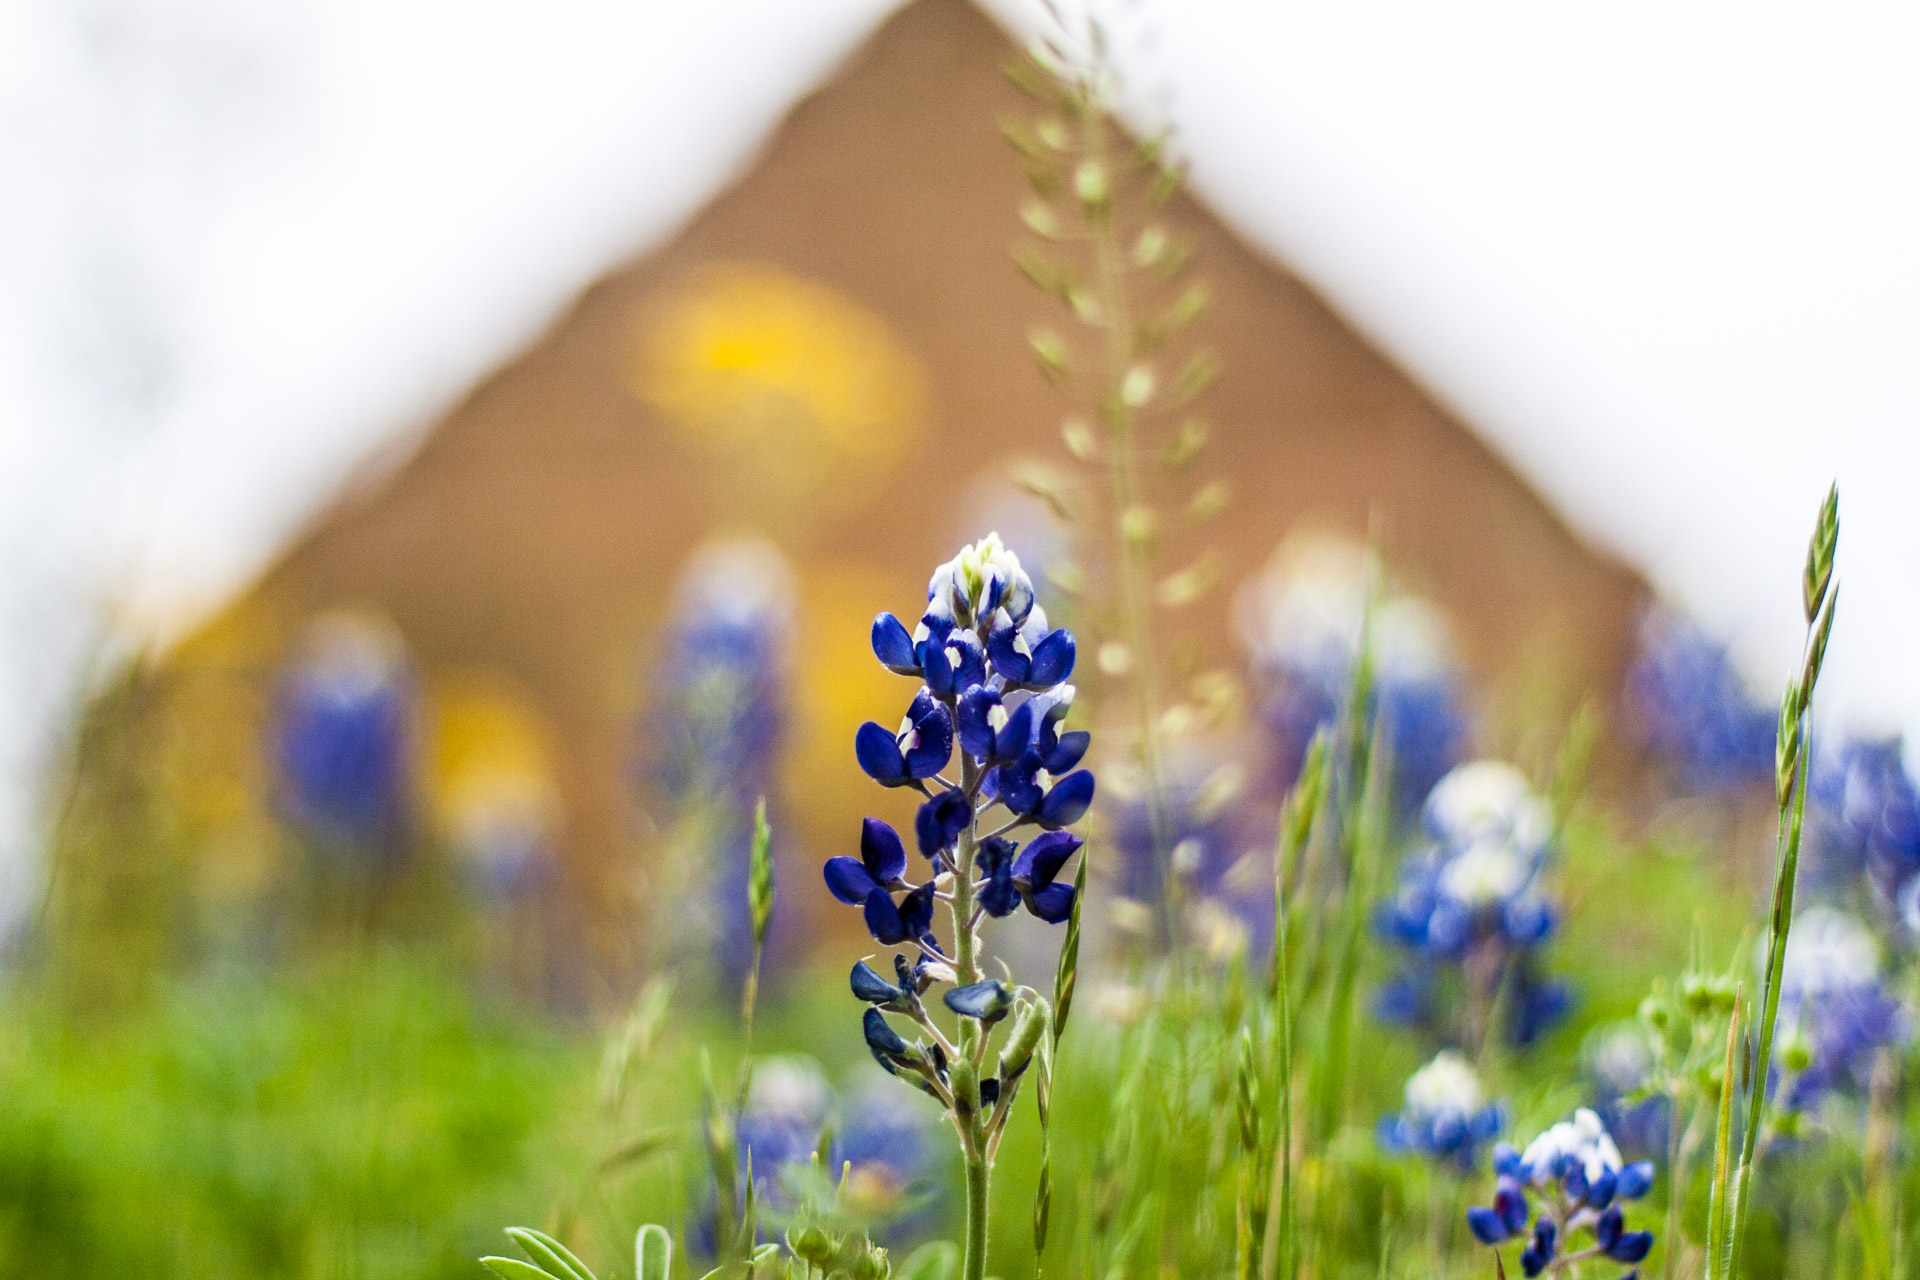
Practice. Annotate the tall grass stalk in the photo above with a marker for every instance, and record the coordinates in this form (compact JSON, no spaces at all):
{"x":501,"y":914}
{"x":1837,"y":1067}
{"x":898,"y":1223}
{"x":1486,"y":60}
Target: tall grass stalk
{"x":1792,"y":761}
{"x":1297,"y":824}
{"x":1718,"y":1211}
{"x":1119,"y":274}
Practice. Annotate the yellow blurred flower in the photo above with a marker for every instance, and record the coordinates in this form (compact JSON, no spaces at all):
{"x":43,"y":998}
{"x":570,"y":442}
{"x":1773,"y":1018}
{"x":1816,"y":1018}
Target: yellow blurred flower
{"x":492,"y":779}
{"x":755,"y":362}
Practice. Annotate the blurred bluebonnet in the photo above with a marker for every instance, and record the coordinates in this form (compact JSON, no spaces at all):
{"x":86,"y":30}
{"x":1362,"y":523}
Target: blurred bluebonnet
{"x":889,"y":1139}
{"x":1210,"y":825}
{"x":1576,"y":1171}
{"x":1444,"y":1115}
{"x":776,"y":1135}
{"x":1863,"y":818}
{"x":713,"y":735}
{"x":1619,"y":1065}
{"x":344,"y":738}
{"x":1835,"y":1009}
{"x":1471,"y":901}
{"x":1691,"y":708}
{"x":1302,"y":618}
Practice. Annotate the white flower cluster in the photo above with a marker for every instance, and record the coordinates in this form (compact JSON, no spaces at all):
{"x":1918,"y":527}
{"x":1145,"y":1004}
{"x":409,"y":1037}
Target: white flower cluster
{"x":984,"y":576}
{"x":1583,"y":1138}
{"x":1445,"y":1086}
{"x":1493,"y":829}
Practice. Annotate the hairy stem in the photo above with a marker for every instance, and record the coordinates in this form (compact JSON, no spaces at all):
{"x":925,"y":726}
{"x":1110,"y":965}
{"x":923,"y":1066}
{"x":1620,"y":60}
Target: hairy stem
{"x":973,"y":1263}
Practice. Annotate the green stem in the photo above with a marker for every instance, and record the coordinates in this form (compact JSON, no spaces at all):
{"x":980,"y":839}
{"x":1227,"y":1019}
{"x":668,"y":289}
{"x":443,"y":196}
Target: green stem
{"x":1792,"y":817}
{"x":973,"y":1263}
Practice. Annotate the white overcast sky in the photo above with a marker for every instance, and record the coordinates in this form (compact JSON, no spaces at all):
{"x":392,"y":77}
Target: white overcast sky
{"x":1664,"y":255}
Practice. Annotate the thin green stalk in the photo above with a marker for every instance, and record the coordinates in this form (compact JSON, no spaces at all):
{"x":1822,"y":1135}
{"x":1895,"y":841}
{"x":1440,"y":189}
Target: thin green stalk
{"x":1793,"y":760}
{"x":1296,"y":829}
{"x":1717,"y":1214}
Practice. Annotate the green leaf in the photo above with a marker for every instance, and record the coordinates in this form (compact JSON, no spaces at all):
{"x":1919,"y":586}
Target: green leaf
{"x":639,"y":1148}
{"x":760,"y":875}
{"x":550,"y":1253}
{"x":652,"y":1253}
{"x":514,"y":1269}
{"x":937,"y":1260}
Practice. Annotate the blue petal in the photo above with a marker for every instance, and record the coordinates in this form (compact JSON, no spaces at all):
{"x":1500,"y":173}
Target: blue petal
{"x":881,"y":1037}
{"x":974,"y":723}
{"x":938,"y":666}
{"x":1510,"y":1202}
{"x":871,"y":987}
{"x":879,"y":755}
{"x":1506,"y":1160}
{"x":1011,"y":742}
{"x":848,"y":880}
{"x":1600,"y":1192}
{"x":1052,"y":659}
{"x":935,"y":731}
{"x":970,"y":667}
{"x":1486,"y":1225}
{"x":883,"y":919}
{"x":1069,"y":800}
{"x":1008,"y":662}
{"x":1608,"y":1228}
{"x":999,"y":895}
{"x":1634,"y":1181}
{"x":1013,"y":785}
{"x":1531,"y":1263}
{"x":1053,"y":903}
{"x":893,"y":646}
{"x":1018,"y":600}
{"x":938,"y":823}
{"x":881,"y":851}
{"x":1043,"y":857}
{"x":988,"y":1001}
{"x":1631,"y":1247}
{"x":1068,"y":751}
{"x":916,"y":911}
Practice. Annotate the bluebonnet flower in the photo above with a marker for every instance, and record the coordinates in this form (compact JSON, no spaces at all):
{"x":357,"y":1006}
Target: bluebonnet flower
{"x":1582,"y":1183}
{"x":1444,"y":1116}
{"x":1302,"y":618}
{"x":344,"y":737}
{"x":715,"y":728}
{"x":992,"y":678}
{"x":1835,"y":1010}
{"x":1471,"y":900}
{"x":1619,"y":1064}
{"x":1692,"y":709}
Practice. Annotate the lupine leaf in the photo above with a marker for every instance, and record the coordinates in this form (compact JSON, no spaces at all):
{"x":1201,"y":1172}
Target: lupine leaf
{"x":514,"y":1269}
{"x":935,"y":1260}
{"x":550,"y":1253}
{"x":652,"y":1253}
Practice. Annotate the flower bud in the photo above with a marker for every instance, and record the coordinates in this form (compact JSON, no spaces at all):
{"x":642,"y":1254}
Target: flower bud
{"x":1029,"y":1024}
